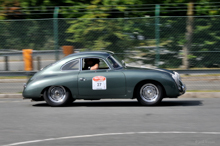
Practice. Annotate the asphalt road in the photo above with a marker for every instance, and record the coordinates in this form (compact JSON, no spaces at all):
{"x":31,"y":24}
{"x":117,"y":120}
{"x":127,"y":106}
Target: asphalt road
{"x":182,"y":122}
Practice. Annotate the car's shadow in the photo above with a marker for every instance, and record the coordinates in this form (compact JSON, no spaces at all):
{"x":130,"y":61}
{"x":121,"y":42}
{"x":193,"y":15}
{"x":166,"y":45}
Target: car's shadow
{"x":127,"y":103}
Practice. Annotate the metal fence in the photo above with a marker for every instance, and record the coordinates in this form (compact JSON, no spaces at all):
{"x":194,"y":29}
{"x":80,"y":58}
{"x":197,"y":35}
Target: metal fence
{"x":133,"y":39}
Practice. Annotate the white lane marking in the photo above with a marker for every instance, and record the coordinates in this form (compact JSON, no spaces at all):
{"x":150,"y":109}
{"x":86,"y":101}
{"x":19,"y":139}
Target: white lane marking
{"x":110,"y":134}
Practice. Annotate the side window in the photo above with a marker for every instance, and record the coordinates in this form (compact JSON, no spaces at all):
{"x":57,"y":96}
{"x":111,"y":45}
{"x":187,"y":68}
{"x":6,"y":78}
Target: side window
{"x":91,"y":63}
{"x":73,"y":65}
{"x":103,"y":65}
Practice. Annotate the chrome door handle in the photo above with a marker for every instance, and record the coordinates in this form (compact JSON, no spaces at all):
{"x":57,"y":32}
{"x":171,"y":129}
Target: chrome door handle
{"x":82,"y":79}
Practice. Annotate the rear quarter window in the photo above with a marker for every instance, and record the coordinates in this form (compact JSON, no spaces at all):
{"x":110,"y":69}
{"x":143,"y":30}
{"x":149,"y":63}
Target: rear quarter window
{"x":72,"y":65}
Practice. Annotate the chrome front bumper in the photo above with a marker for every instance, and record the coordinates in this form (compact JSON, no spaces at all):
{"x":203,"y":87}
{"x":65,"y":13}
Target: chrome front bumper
{"x":182,"y":89}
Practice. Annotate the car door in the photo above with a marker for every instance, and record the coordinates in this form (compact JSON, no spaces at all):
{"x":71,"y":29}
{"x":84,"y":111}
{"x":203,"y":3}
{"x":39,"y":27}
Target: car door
{"x":102,"y":82}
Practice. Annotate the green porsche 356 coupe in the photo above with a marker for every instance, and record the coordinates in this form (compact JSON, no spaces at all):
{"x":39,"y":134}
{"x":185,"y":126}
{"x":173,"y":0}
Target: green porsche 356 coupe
{"x":101,"y":75}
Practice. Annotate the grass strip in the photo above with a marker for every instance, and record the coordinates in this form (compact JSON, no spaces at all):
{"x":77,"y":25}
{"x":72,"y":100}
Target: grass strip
{"x":13,"y":77}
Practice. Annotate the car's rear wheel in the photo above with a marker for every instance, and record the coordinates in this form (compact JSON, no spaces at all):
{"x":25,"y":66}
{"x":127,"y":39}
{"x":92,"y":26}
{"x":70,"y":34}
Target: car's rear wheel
{"x":57,"y":96}
{"x":149,"y":94}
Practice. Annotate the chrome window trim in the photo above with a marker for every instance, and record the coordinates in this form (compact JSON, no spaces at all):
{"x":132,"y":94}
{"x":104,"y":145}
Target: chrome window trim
{"x":95,"y":58}
{"x":81,"y":65}
{"x":61,"y":68}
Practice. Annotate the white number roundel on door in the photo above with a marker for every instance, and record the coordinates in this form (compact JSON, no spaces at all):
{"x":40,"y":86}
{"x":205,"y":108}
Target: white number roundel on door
{"x":99,"y":83}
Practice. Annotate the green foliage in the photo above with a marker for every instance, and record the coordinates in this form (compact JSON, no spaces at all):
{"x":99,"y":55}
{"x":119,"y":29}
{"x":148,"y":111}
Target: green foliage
{"x":26,"y":35}
{"x":96,"y":34}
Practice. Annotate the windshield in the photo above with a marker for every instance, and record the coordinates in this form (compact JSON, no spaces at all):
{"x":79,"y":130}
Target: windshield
{"x":115,"y":61}
{"x":119,"y":60}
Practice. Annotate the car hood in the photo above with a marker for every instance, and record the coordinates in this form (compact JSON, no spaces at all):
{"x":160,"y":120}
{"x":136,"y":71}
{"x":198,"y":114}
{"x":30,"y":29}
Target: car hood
{"x":147,"y":68}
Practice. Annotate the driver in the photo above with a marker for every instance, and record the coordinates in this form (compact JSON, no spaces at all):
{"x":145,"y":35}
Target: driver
{"x":91,"y":64}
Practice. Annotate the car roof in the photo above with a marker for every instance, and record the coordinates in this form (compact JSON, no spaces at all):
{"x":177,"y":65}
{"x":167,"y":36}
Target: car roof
{"x":91,"y":53}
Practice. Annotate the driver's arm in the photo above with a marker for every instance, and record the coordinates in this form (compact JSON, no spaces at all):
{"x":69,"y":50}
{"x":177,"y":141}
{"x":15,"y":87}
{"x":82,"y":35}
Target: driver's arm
{"x":95,"y":67}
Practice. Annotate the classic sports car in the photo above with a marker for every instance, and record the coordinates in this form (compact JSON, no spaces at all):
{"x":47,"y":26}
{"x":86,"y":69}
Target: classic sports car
{"x":70,"y":79}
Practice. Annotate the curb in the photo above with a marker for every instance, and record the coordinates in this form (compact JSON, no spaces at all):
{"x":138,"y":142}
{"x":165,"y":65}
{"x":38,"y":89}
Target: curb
{"x":186,"y":95}
{"x":201,"y":95}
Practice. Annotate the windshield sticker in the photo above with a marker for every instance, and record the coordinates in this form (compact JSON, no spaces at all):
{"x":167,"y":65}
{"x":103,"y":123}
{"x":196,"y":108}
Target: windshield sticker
{"x":99,"y":83}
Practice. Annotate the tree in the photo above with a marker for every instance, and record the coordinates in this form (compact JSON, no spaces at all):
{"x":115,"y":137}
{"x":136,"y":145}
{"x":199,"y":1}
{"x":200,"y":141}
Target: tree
{"x":189,"y":33}
{"x":10,"y":9}
{"x":97,"y":34}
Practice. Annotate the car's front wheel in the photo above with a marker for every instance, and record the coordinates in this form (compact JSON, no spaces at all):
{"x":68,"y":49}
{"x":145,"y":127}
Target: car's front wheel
{"x":57,"y":96}
{"x":149,"y":94}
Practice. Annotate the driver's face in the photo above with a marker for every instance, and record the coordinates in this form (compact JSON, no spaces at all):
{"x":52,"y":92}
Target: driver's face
{"x":89,"y":61}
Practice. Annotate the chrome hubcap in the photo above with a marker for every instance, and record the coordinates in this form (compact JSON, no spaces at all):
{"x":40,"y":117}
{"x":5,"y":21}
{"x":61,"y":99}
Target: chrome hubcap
{"x":57,"y":94}
{"x":149,"y":92}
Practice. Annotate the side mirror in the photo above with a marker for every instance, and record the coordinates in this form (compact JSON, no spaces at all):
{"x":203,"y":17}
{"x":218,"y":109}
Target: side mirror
{"x":123,"y":63}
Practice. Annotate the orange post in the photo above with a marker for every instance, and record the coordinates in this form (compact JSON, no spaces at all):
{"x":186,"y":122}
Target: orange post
{"x":67,"y":50}
{"x":28,"y":61}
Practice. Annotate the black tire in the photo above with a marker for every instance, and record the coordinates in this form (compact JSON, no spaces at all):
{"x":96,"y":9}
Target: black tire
{"x":57,"y":96}
{"x":149,"y":94}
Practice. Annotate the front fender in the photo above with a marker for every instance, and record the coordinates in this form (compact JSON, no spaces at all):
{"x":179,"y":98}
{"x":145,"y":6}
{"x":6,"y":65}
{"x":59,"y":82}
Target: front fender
{"x":133,"y":78}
